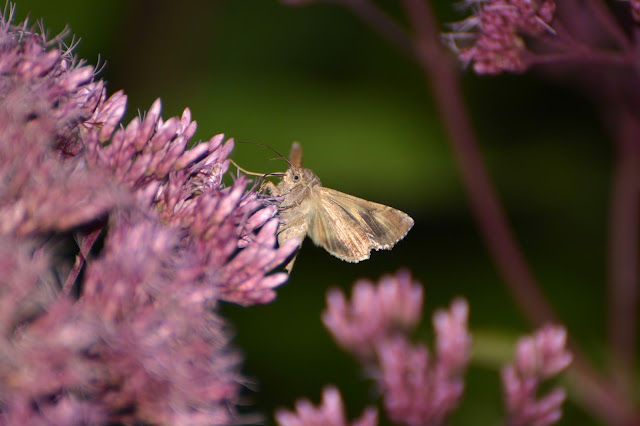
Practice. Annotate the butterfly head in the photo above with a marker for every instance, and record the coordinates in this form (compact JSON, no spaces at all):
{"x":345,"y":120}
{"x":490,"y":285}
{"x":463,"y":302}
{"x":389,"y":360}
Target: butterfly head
{"x":298,"y":177}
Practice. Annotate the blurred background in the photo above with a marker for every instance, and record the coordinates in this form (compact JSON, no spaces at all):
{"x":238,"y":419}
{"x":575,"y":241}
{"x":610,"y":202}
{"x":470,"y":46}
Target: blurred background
{"x":260,"y":71}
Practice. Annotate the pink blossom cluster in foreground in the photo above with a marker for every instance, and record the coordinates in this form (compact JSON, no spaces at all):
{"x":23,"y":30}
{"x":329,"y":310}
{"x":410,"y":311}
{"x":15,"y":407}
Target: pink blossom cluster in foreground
{"x":537,"y":358}
{"x":419,"y":386}
{"x":116,"y":244}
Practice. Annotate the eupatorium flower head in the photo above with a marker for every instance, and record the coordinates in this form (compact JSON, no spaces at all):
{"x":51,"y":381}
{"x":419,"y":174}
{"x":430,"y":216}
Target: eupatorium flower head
{"x":537,"y":358}
{"x":417,"y":388}
{"x":374,"y":313}
{"x":491,"y":39}
{"x":420,"y":389}
{"x":329,"y":413}
{"x":635,"y":9}
{"x":124,"y":331}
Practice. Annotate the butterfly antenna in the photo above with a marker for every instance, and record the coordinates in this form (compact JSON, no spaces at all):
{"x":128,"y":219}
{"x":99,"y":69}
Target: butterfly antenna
{"x":261,"y":175}
{"x":271,"y":149}
{"x":245,"y":171}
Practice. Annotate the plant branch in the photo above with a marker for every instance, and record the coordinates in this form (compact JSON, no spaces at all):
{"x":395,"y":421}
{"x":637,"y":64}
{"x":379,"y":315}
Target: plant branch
{"x":610,"y":24}
{"x":380,"y":22}
{"x":595,"y":57}
{"x":623,"y":251}
{"x":373,"y":16}
{"x":86,"y":242}
{"x":486,"y":206}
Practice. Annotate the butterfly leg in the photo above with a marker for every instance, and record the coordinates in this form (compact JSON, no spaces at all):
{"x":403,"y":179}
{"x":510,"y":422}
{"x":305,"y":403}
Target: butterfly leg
{"x":271,"y":187}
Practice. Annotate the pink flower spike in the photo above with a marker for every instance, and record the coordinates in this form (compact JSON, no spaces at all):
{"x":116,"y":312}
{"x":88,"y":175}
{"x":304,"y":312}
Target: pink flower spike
{"x":42,"y":64}
{"x":356,"y":332}
{"x":165,"y":133}
{"x":453,"y":340}
{"x":418,"y":390}
{"x":257,"y":220}
{"x":538,"y":357}
{"x":187,"y":127}
{"x":216,"y":141}
{"x":544,"y":354}
{"x":401,"y":299}
{"x":374,"y":312}
{"x":404,"y":381}
{"x":185,"y":158}
{"x":551,"y":343}
{"x":329,"y":413}
{"x":77,"y":77}
{"x":111,"y":116}
{"x":148,"y":125}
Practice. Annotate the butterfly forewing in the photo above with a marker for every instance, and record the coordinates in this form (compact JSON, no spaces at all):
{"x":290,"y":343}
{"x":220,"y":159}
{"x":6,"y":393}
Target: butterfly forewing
{"x":384,"y":225}
{"x":350,"y":227}
{"x":337,"y":232}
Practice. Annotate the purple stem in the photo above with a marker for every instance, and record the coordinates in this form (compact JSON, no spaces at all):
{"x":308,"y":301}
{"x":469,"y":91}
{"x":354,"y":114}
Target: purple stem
{"x":609,"y":23}
{"x":378,"y":20}
{"x":443,"y":76}
{"x":623,"y":262}
{"x":612,"y":27}
{"x":86,"y":242}
{"x":595,"y":57}
{"x":598,"y":394}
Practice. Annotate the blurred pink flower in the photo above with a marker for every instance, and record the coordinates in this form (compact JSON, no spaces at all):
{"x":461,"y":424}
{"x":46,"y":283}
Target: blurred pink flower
{"x":417,"y":389}
{"x":374,"y":313}
{"x":635,"y":9}
{"x":538,"y":358}
{"x":373,"y":326}
{"x":330,"y":413}
{"x":491,"y":38}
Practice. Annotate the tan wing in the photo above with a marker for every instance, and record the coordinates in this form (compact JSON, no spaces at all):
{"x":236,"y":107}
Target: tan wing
{"x":349,"y":227}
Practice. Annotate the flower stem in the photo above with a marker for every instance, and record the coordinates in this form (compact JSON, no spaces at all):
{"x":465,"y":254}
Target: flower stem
{"x":609,"y":23}
{"x":378,"y":20}
{"x":593,"y":57}
{"x":492,"y":222}
{"x":86,"y":242}
{"x":484,"y":201}
{"x":623,"y":273}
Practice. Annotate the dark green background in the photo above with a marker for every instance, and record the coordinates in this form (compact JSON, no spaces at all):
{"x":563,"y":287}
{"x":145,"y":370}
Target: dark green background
{"x":260,"y":71}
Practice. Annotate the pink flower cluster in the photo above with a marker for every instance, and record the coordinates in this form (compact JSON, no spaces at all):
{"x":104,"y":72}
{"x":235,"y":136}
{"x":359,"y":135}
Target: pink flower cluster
{"x":116,"y":244}
{"x":497,"y":27}
{"x":417,"y":388}
{"x":537,"y":358}
{"x":635,"y":9}
{"x":229,"y":232}
{"x":330,"y":412}
{"x":374,"y":313}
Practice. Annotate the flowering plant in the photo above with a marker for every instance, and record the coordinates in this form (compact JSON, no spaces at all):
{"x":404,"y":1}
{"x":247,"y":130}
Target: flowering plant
{"x":127,"y":332}
{"x":119,"y":242}
{"x":595,"y":44}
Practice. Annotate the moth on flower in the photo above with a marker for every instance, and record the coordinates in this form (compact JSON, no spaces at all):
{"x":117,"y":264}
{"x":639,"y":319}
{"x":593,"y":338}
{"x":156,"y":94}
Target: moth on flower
{"x":348,"y":227}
